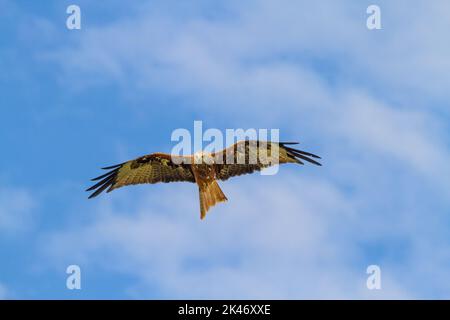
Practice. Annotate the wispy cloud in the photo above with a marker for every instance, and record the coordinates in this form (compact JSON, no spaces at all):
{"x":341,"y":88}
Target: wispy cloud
{"x":3,"y":292}
{"x":16,"y":207}
{"x":195,"y":51}
{"x":282,"y":67}
{"x":372,"y":103}
{"x":277,"y":237}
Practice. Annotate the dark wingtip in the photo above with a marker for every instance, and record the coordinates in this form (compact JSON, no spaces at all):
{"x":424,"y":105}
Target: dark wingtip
{"x":108,"y":181}
{"x":287,"y":143}
{"x":309,"y":160}
{"x":112,"y":167}
{"x":302,"y":155}
{"x":314,"y":156}
{"x":105,"y":175}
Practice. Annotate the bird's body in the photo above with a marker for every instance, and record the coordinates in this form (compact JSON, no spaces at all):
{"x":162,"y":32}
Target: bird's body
{"x":201,"y":168}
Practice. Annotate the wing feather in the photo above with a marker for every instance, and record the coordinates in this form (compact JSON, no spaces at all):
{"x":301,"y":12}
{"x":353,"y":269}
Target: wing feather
{"x":249,"y":156}
{"x":152,"y":168}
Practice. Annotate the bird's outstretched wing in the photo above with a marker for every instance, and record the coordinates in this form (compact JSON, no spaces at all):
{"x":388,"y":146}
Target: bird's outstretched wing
{"x":250,"y":155}
{"x":152,"y":168}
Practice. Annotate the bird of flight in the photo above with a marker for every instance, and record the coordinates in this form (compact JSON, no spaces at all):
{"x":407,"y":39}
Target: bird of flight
{"x":202,"y":168}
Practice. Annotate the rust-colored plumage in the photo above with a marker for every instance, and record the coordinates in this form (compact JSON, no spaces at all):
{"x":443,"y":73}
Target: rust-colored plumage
{"x":201,"y":168}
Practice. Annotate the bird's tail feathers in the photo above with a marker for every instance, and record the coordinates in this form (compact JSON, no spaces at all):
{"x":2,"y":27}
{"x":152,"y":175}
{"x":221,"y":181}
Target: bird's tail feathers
{"x":210,"y":195}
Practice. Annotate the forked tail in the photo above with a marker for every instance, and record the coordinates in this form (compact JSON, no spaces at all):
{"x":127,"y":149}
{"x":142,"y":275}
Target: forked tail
{"x":210,"y":194}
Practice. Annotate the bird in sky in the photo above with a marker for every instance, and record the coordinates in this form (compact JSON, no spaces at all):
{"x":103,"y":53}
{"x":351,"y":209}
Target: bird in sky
{"x":203,"y":168}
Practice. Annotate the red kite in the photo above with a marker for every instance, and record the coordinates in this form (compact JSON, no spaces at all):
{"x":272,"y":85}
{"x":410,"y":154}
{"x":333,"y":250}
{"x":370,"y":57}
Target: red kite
{"x":202,"y":168}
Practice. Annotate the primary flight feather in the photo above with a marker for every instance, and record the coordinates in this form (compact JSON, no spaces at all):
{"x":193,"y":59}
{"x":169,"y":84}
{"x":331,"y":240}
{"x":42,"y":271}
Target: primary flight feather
{"x":202,"y":168}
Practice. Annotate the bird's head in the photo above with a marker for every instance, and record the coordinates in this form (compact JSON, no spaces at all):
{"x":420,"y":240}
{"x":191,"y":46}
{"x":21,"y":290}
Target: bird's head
{"x":203,"y":158}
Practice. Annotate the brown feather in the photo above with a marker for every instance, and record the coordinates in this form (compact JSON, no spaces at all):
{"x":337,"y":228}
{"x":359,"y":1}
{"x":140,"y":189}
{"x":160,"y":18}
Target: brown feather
{"x":257,"y":149}
{"x":243,"y":157}
{"x":152,"y":168}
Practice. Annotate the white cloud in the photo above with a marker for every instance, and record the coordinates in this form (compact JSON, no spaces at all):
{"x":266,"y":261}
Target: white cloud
{"x":282,"y":242}
{"x":264,"y":61}
{"x":160,"y":48}
{"x":365,"y":98}
{"x":3,"y":292}
{"x":15,"y":210}
{"x":411,"y":137}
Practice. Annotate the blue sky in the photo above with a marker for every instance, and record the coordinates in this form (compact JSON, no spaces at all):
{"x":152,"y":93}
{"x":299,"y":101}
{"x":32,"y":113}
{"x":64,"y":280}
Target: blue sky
{"x":373,"y":104}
